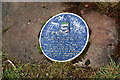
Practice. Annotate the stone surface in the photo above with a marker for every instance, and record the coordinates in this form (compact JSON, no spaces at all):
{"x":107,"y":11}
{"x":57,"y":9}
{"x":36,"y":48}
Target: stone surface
{"x":103,"y":39}
{"x":21,"y":26}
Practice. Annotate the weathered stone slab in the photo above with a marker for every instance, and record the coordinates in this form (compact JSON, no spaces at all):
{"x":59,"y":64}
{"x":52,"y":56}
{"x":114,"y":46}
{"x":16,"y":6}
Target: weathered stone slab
{"x":103,"y":39}
{"x":21,"y":26}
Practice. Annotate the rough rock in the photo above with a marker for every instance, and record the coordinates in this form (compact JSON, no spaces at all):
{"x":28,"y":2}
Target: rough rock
{"x":103,"y":40}
{"x":21,"y":26}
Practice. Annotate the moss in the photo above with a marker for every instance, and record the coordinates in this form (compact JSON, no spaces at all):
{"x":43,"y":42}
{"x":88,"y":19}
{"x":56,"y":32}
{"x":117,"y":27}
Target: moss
{"x":39,"y":49}
{"x":108,"y":8}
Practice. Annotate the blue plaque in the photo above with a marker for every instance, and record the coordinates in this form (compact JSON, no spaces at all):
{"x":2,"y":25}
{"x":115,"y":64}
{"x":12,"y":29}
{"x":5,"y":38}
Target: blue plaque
{"x":64,"y":37}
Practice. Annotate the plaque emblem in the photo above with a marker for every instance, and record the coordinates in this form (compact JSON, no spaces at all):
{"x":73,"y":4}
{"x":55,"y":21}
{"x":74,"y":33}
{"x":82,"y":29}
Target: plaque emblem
{"x":64,"y":27}
{"x":64,"y":37}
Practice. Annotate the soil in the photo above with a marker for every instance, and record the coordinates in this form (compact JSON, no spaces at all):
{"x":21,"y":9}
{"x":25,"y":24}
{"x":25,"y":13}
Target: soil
{"x":22,"y":23}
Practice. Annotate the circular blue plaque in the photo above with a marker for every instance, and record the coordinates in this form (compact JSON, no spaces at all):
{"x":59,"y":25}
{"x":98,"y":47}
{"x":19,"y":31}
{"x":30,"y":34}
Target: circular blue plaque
{"x":64,"y":37}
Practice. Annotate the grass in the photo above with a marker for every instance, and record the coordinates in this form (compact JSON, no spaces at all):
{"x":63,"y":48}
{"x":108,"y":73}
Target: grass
{"x":1,"y":55}
{"x":0,"y":65}
{"x":109,"y":71}
{"x":50,"y":70}
{"x":58,"y":70}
